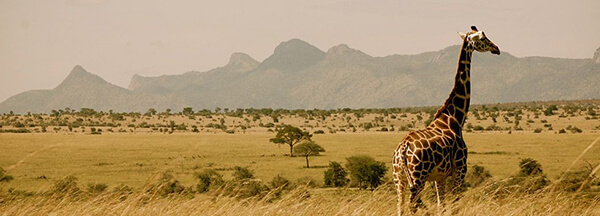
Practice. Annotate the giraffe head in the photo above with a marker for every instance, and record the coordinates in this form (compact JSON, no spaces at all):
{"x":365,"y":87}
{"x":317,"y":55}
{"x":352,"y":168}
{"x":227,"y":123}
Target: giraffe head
{"x":479,"y":41}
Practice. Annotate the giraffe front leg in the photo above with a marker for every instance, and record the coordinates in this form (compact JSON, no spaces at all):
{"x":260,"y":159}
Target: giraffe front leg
{"x":441,"y":190}
{"x":459,"y":175}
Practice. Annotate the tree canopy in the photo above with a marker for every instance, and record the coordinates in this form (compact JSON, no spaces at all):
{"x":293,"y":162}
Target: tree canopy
{"x":308,"y":148}
{"x":290,"y":135}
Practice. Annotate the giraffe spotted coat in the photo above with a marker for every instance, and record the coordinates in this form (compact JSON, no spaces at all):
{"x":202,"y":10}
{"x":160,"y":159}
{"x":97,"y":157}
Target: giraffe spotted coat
{"x":439,"y":152}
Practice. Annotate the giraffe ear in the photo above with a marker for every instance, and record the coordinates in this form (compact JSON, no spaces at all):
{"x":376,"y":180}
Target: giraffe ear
{"x":462,"y":35}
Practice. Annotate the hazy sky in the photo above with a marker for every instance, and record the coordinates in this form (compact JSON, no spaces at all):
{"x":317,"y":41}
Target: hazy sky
{"x":41,"y":41}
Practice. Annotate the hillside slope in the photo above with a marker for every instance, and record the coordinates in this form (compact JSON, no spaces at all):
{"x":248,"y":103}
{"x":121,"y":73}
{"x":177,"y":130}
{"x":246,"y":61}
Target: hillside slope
{"x":299,"y":75}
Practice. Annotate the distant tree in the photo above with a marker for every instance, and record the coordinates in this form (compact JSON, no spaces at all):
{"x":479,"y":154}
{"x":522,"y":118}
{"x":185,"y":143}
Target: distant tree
{"x":365,"y":171}
{"x":150,"y":112}
{"x":55,"y":113}
{"x":187,"y":111}
{"x":307,"y":149}
{"x":550,"y":110}
{"x":335,"y":176}
{"x":290,"y":135}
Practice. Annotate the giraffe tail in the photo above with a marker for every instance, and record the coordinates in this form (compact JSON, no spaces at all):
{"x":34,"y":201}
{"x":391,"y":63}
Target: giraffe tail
{"x":405,"y":166}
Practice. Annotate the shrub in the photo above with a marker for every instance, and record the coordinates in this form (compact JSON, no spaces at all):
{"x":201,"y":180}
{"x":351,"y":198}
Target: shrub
{"x":572,"y":180}
{"x":477,"y":175}
{"x":530,"y":177}
{"x":252,"y":188}
{"x":4,"y":177}
{"x":550,"y":109}
{"x":319,"y":132}
{"x":209,"y":178}
{"x":96,"y":188}
{"x":336,"y":175}
{"x":280,"y":182}
{"x":242,"y":173}
{"x":537,"y":130}
{"x":529,"y":167}
{"x":307,"y":181}
{"x":365,"y":171}
{"x":66,"y":186}
{"x":165,"y":185}
{"x":122,"y":189}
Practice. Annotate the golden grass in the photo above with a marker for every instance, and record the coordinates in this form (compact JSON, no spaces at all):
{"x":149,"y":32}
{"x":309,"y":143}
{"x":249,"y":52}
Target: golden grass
{"x":135,"y":159}
{"x":302,"y":201}
{"x":132,"y":159}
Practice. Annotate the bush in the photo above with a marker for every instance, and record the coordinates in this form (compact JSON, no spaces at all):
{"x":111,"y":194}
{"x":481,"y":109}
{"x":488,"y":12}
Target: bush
{"x":572,"y":180}
{"x":252,"y":188}
{"x":66,"y":186}
{"x":365,"y":171}
{"x":336,"y":175}
{"x":166,"y":185}
{"x":96,"y":188}
{"x":550,"y":109}
{"x":308,"y":182}
{"x":209,"y":178}
{"x":530,"y":177}
{"x":477,"y":175}
{"x":537,"y":130}
{"x":4,"y":177}
{"x":280,"y":182}
{"x":319,"y":132}
{"x":242,"y":173}
{"x":529,"y":167}
{"x":122,"y":189}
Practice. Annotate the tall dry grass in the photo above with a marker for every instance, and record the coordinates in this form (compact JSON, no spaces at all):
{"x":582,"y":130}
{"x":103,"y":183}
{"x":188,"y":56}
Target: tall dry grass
{"x":485,"y":200}
{"x":500,"y":197}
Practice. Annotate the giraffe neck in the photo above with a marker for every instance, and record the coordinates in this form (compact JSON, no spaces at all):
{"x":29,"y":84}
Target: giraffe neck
{"x":457,"y":104}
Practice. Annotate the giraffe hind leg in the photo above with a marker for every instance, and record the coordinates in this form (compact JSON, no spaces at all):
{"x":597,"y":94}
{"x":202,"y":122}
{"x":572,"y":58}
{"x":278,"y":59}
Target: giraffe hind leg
{"x":401,"y":192}
{"x":415,"y":195}
{"x":401,"y":182}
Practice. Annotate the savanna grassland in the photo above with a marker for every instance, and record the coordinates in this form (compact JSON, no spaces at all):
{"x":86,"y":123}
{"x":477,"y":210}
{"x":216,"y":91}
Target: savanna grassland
{"x":98,"y":163}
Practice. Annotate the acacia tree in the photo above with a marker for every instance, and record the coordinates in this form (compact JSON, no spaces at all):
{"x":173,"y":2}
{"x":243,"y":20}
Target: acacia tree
{"x":290,"y":135}
{"x":308,"y":148}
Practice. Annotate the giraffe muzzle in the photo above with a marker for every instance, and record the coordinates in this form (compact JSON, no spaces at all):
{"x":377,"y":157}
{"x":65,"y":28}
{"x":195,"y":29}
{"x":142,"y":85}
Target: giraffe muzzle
{"x":496,"y":51}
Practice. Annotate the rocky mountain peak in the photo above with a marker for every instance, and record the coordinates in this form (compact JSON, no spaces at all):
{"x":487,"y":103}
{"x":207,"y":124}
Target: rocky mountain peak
{"x":344,"y":50}
{"x":293,"y":55}
{"x":242,"y":60}
{"x":80,"y":77}
{"x":295,"y":45}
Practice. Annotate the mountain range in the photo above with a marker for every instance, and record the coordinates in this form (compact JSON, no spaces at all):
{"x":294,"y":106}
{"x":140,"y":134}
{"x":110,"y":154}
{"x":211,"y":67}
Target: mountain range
{"x":298,"y":75}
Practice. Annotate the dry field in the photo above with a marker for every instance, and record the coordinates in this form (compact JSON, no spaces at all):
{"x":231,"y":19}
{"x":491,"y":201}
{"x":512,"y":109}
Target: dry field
{"x":136,"y":149}
{"x":37,"y":161}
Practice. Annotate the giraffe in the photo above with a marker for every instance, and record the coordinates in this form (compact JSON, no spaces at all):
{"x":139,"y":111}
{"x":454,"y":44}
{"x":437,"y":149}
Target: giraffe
{"x":439,"y":152}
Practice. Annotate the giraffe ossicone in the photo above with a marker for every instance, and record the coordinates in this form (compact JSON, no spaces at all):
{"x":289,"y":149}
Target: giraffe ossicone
{"x":439,"y":152}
